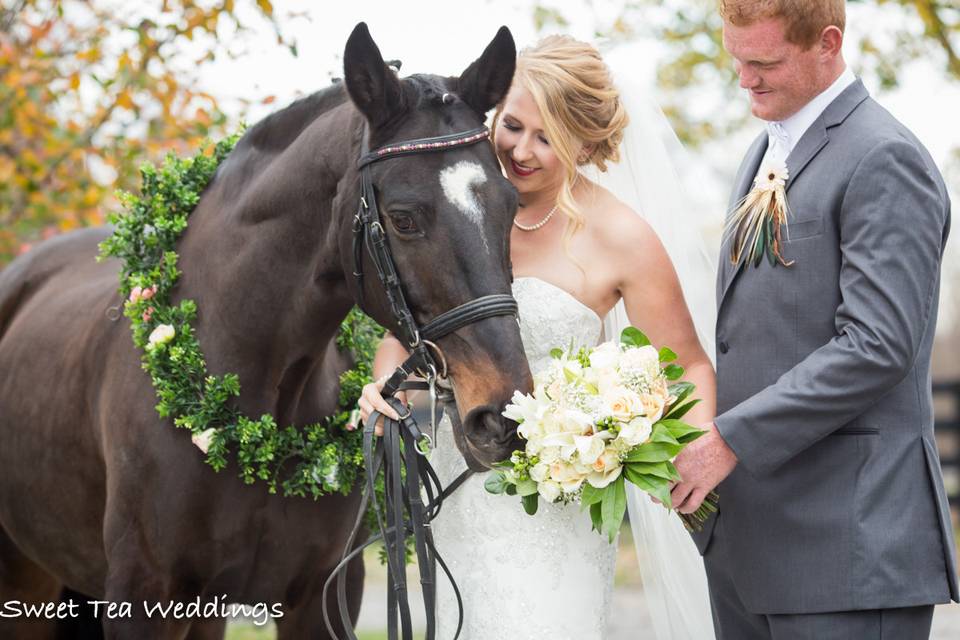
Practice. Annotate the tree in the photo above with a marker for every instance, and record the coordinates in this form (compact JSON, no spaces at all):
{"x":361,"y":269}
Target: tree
{"x":691,"y":30}
{"x":90,"y":90}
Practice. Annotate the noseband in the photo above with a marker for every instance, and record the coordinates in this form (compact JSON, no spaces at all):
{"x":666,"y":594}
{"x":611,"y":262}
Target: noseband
{"x":406,"y":469}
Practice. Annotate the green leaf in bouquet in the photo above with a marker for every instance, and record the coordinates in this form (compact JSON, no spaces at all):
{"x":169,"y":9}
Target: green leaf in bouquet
{"x":657,"y":487}
{"x":661,"y":433}
{"x":556,"y":353}
{"x":530,"y":503}
{"x":511,"y":490}
{"x":633,"y":337}
{"x":653,"y":452}
{"x":496,"y":482}
{"x":526,"y":487}
{"x":590,"y":495}
{"x":664,"y":469}
{"x":683,"y":432}
{"x":613,"y":506}
{"x":596,"y":515}
{"x":673,"y":371}
{"x":681,"y":390}
{"x":678,"y":410}
{"x":667,"y":355}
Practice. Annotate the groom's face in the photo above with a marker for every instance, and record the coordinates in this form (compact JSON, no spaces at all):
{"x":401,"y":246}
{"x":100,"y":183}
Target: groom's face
{"x":780,"y":76}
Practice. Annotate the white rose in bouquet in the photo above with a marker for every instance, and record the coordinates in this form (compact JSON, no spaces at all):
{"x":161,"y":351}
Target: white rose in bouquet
{"x":606,"y":469}
{"x":622,"y":403}
{"x":636,"y":431}
{"x":589,"y":448}
{"x":605,"y":357}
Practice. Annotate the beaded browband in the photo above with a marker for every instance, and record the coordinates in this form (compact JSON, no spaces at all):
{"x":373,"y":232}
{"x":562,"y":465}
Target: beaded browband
{"x":439,"y":143}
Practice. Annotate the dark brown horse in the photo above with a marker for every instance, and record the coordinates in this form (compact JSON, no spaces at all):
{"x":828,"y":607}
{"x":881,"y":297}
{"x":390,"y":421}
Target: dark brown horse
{"x":99,"y":495}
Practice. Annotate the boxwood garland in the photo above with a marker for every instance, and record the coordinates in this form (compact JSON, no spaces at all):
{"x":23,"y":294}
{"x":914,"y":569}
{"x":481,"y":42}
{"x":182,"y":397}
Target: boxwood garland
{"x":311,"y":460}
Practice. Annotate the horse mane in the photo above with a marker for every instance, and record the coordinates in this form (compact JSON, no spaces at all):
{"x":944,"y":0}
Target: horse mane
{"x":279,"y":129}
{"x":266,"y":140}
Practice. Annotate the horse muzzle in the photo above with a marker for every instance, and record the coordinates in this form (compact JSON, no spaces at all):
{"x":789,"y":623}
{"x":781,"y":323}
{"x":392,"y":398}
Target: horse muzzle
{"x":485,"y":437}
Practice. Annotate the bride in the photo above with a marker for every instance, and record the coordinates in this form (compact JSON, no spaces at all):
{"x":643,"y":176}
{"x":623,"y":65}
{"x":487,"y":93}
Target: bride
{"x":586,"y":260}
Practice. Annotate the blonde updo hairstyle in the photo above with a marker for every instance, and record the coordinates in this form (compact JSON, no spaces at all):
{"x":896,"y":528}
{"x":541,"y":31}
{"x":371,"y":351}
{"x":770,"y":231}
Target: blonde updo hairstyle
{"x":582,"y":116}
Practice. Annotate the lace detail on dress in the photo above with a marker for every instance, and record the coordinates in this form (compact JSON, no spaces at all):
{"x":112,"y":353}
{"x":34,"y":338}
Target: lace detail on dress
{"x":546,"y":576}
{"x":550,"y":318}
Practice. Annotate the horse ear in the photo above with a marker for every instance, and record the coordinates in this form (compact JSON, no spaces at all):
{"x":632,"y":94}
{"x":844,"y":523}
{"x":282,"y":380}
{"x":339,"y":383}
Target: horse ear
{"x":487,"y":80}
{"x":373,"y":86}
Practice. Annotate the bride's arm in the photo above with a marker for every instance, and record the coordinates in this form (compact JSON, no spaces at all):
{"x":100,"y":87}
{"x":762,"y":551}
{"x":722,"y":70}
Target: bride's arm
{"x":390,"y":354}
{"x":654,"y":303}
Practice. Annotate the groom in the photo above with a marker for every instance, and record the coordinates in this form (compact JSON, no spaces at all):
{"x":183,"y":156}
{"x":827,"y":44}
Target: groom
{"x":833,"y":519}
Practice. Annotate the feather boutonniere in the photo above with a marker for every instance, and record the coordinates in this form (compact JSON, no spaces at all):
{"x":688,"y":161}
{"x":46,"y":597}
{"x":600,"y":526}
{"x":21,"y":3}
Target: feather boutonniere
{"x":760,"y":216}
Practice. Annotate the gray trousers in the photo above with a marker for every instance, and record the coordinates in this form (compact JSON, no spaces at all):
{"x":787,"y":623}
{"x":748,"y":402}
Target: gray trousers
{"x":732,"y":621}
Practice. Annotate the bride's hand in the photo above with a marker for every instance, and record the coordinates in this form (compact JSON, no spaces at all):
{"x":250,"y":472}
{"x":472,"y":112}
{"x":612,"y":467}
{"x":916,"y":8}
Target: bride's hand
{"x":371,"y":400}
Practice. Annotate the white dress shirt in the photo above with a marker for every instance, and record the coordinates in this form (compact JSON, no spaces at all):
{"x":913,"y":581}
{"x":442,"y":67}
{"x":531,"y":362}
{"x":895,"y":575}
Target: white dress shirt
{"x":783,"y":136}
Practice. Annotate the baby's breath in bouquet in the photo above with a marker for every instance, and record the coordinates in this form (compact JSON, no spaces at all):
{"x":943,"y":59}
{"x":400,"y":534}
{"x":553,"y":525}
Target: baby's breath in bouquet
{"x":598,"y":418}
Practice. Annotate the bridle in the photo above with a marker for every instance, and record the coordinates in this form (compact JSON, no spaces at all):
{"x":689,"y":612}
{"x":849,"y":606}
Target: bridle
{"x":398,"y":453}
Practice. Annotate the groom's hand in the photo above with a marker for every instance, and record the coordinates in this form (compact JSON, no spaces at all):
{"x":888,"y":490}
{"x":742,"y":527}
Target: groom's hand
{"x":702,"y":465}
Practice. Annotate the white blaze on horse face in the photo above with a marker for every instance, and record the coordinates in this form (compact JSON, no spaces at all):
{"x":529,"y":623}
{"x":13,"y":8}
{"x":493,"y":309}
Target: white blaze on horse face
{"x":458,"y":184}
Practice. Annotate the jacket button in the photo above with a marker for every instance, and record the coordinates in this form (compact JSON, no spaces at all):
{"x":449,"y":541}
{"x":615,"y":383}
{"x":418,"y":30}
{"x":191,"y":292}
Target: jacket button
{"x":723,"y":346}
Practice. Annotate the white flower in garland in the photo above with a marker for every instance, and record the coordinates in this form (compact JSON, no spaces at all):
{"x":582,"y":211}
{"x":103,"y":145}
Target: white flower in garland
{"x":160,"y":336}
{"x":203,"y":439}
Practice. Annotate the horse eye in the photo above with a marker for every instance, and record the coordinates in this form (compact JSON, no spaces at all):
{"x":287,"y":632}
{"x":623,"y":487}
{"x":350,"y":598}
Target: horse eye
{"x":403,"y":223}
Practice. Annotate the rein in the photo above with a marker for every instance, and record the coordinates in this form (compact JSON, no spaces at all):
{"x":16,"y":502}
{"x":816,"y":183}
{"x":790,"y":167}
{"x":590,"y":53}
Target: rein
{"x":406,"y":469}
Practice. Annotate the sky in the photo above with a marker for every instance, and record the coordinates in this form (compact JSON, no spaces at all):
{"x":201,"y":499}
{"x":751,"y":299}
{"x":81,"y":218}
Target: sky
{"x":444,"y":37}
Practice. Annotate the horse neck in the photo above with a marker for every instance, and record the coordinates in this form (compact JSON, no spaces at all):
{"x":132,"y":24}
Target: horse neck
{"x":262,"y":255}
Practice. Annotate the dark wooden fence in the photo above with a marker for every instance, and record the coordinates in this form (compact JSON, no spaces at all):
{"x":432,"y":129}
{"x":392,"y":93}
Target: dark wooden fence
{"x":946,"y":403}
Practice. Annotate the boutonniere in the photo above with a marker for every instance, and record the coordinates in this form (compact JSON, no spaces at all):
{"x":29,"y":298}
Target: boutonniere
{"x":759,"y":218}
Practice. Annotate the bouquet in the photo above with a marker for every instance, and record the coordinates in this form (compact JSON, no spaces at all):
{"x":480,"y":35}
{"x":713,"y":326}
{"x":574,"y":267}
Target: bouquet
{"x":598,"y":418}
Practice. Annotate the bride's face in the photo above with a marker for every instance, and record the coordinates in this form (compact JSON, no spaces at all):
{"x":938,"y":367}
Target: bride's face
{"x":522,"y":145}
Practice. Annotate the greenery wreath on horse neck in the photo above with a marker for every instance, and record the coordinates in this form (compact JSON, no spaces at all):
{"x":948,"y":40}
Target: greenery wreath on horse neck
{"x":311,"y":460}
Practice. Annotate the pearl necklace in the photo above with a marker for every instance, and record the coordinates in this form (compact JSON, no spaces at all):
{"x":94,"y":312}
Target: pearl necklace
{"x":534,"y":227}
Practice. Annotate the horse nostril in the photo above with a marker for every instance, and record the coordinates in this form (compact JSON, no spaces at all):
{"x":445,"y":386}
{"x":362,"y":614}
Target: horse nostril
{"x":508,"y":431}
{"x":491,"y":434}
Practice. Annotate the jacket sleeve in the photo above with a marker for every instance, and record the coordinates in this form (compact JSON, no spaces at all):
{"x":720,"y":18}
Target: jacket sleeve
{"x":892,"y":229}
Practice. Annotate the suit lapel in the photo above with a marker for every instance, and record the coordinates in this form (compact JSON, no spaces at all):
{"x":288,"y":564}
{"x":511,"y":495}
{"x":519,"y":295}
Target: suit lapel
{"x":748,"y":171}
{"x":813,"y":141}
{"x":809,"y":146}
{"x":815,"y":138}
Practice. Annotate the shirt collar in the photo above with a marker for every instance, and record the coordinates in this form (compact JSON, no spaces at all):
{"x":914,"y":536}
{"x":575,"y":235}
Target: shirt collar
{"x":797,"y":124}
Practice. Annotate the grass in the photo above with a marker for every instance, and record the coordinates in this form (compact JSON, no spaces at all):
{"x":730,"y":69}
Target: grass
{"x":250,"y":631}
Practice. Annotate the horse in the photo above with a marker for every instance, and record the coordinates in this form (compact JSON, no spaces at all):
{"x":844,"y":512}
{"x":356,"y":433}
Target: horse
{"x":102,"y":497}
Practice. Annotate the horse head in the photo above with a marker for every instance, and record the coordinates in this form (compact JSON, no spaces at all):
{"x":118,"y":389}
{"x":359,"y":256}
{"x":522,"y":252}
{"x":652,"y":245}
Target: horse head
{"x":447,"y":218}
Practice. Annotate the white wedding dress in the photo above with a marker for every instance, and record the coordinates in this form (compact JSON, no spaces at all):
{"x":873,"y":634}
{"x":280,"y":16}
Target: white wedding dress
{"x":550,"y":575}
{"x":523,"y":577}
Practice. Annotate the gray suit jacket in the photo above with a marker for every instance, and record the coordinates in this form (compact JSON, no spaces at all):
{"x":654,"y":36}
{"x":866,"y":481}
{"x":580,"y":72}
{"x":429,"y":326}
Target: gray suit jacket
{"x":823,"y":374}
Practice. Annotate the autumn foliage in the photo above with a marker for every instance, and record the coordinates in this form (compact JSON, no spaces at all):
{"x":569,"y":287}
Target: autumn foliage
{"x":89,"y":91}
